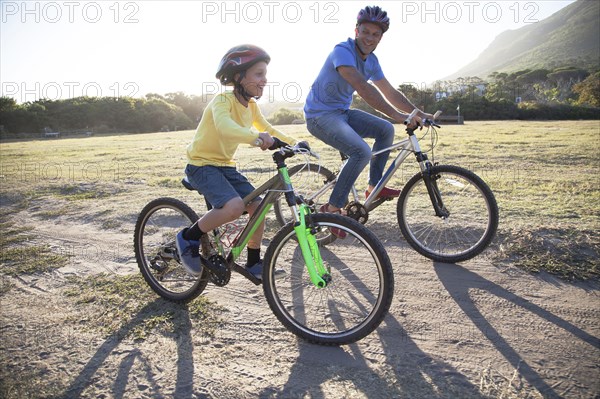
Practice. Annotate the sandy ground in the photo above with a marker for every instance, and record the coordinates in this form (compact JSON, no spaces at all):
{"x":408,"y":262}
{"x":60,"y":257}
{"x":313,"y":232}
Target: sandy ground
{"x":454,"y":331}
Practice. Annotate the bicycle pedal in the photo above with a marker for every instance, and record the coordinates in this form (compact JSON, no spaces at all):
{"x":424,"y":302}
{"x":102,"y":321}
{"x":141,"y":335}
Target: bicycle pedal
{"x":244,"y":272}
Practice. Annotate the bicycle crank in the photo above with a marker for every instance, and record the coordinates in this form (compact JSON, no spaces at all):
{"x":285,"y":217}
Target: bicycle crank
{"x":357,"y":211}
{"x":219,"y":272}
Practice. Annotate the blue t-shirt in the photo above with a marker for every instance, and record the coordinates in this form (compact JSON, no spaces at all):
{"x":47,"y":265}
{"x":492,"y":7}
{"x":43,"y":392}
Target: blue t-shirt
{"x":330,"y":91}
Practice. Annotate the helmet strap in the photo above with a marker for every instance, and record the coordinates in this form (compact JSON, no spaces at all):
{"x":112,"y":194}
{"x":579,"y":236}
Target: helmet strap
{"x":237,"y":87}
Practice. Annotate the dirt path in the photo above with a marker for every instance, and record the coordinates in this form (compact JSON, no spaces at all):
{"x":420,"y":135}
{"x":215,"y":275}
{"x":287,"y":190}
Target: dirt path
{"x":470,"y":330}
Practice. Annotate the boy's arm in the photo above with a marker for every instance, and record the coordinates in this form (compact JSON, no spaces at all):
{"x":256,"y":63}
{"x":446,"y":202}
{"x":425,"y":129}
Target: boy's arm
{"x":262,"y":125}
{"x":229,"y":128}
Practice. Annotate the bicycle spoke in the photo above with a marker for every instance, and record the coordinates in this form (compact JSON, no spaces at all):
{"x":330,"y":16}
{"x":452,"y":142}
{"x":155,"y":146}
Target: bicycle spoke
{"x":472,"y":220}
{"x":350,"y":305}
{"x":154,"y":236}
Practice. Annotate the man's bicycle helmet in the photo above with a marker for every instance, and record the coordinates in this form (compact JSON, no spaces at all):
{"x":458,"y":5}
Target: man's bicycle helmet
{"x":239,"y":59}
{"x":374,"y":15}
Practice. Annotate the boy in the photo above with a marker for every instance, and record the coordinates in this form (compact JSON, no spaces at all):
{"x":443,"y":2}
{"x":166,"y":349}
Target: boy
{"x":225,"y":125}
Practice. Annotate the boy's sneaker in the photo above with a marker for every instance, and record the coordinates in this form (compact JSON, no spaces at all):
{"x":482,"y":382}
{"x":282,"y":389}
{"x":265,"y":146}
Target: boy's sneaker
{"x":189,"y":254}
{"x":257,"y":269}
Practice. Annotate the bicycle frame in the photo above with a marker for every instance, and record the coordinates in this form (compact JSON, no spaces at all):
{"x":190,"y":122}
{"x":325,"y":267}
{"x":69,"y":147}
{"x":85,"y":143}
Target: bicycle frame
{"x":274,"y":187}
{"x":406,"y":147}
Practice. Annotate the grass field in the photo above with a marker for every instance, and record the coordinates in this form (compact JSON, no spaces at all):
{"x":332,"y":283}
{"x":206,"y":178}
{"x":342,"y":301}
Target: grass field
{"x":545,"y":176}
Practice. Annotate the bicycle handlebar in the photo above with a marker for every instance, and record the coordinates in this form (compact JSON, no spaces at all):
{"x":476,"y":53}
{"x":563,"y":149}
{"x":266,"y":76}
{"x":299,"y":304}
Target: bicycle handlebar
{"x":301,"y":146}
{"x":278,"y":144}
{"x":431,"y":122}
{"x":412,"y":115}
{"x":426,"y":122}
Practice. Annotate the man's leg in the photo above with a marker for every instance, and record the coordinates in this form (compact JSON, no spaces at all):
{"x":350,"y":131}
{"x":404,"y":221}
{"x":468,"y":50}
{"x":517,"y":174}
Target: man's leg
{"x":334,"y":130}
{"x":370,"y":126}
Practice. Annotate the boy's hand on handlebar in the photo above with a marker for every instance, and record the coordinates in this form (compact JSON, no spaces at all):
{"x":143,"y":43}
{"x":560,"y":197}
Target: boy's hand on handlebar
{"x":267,"y":141}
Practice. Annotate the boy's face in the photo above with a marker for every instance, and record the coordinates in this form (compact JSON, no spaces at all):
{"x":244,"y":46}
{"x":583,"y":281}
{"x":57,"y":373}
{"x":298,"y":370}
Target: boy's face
{"x":368,"y":36}
{"x":255,"y":79}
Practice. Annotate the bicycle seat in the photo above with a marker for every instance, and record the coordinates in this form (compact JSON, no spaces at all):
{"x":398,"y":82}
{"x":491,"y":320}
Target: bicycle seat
{"x":186,"y":183}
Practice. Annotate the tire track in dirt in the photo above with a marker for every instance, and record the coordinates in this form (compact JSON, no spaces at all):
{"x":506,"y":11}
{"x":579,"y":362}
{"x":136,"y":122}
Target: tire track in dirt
{"x":447,"y":324}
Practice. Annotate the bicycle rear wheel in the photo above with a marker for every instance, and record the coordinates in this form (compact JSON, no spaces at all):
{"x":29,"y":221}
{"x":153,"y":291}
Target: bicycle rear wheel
{"x":470,"y":226}
{"x":352,"y":304}
{"x":156,"y":254}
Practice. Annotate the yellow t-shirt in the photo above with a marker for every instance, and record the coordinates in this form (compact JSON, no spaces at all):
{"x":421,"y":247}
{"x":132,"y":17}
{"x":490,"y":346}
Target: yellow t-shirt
{"x":226,"y":124}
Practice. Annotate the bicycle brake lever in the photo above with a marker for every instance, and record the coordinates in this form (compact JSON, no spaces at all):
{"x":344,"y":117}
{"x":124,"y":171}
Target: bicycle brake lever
{"x":429,"y":122}
{"x":277,"y":144}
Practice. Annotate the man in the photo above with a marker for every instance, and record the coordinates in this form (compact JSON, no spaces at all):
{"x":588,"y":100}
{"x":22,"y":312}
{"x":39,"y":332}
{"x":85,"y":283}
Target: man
{"x":348,"y":69}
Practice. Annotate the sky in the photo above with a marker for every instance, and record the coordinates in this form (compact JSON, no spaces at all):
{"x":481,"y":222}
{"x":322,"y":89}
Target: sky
{"x":65,"y":49}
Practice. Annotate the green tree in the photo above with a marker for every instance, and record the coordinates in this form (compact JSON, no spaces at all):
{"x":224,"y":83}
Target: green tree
{"x":192,"y":106}
{"x":570,"y":74}
{"x":422,"y":98}
{"x":285,"y":116}
{"x":588,"y":91}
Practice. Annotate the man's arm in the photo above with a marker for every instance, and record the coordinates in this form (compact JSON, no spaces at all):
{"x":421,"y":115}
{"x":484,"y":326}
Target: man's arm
{"x":397,"y":98}
{"x":371,"y":95}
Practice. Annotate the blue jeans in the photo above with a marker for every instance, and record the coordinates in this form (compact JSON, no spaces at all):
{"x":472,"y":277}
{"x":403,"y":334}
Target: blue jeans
{"x":345,"y":131}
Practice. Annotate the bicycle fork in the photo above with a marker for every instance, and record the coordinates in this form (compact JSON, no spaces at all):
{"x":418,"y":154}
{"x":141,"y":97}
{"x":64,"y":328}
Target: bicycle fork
{"x":429,"y":179}
{"x":319,"y":275}
{"x":435,"y":196}
{"x":305,"y":232}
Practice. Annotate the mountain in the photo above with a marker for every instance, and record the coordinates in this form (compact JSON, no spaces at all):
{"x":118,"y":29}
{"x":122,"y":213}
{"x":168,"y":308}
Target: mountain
{"x":569,"y":37}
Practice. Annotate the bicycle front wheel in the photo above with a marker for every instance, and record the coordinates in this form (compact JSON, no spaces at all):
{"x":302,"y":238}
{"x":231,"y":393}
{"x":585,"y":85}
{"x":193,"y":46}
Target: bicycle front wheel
{"x":355,"y":300}
{"x":156,"y":254}
{"x":468,"y":228}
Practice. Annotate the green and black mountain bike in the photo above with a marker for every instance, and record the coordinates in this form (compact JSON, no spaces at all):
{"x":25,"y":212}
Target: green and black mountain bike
{"x":333,"y":295}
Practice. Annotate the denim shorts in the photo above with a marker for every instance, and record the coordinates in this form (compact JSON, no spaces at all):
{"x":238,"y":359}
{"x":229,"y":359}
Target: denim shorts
{"x":218,"y":184}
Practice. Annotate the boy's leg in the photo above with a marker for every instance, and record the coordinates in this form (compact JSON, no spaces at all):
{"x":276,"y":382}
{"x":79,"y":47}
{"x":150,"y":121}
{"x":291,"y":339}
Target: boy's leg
{"x":243,"y":188}
{"x":256,"y":239}
{"x":218,"y":189}
{"x":217,"y":217}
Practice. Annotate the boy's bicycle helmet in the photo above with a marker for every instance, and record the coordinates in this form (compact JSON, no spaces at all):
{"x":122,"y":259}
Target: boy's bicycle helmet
{"x":374,"y":15}
{"x":239,"y":59}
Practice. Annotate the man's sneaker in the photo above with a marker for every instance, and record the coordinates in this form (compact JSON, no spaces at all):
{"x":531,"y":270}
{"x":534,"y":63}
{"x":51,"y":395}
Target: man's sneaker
{"x":257,"y":269}
{"x":385,"y":193}
{"x":189,"y":254}
{"x":339,"y":233}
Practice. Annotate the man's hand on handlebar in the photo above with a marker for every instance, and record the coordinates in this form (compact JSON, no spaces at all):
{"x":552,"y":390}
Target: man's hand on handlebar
{"x":413,"y":120}
{"x":425,"y":115}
